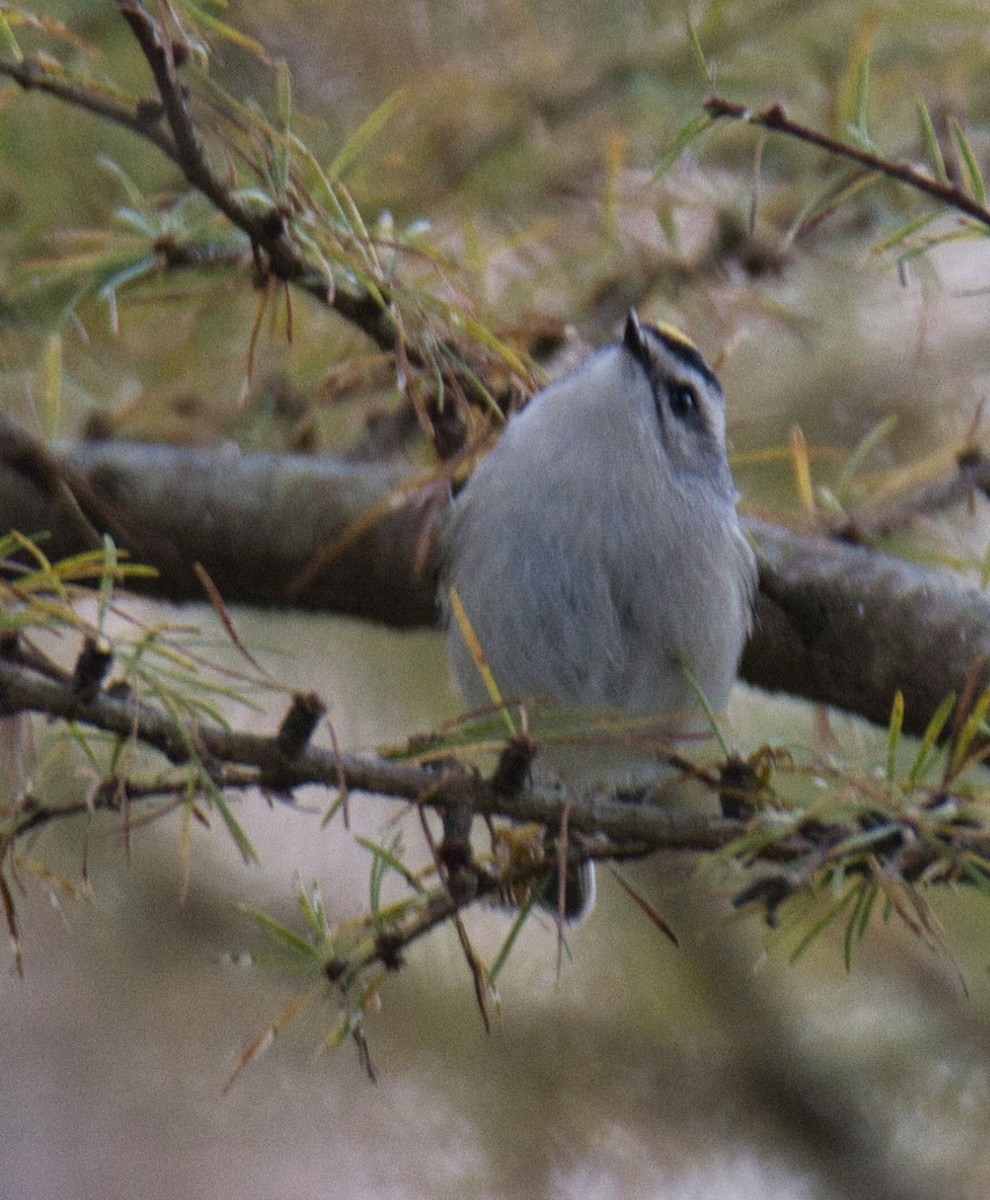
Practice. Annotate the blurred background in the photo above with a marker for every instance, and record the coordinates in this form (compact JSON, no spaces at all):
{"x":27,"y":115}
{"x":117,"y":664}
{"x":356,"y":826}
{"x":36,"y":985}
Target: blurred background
{"x":526,"y":136}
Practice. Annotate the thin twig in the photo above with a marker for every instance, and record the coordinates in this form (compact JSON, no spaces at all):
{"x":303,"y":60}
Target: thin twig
{"x":32,"y":76}
{"x":239,"y":759}
{"x":168,"y":125}
{"x":877,"y":520}
{"x":266,"y":229}
{"x":279,"y":251}
{"x":774,"y":117}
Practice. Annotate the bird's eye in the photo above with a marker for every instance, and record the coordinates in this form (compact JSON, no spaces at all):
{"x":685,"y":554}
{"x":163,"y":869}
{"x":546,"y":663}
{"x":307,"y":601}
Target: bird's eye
{"x":684,"y":401}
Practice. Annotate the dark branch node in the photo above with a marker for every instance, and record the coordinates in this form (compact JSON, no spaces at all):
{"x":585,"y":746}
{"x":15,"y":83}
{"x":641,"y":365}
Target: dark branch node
{"x":149,"y":113}
{"x":110,"y":793}
{"x":28,"y":73}
{"x":512,"y":772}
{"x":272,"y":224}
{"x":454,"y":851}
{"x":180,"y":54}
{"x":92,"y":666}
{"x":336,"y":969}
{"x":893,"y":841}
{"x":388,"y":949}
{"x":738,"y":789}
{"x":771,"y":891}
{"x":818,"y":833}
{"x":970,"y":457}
{"x":298,"y":724}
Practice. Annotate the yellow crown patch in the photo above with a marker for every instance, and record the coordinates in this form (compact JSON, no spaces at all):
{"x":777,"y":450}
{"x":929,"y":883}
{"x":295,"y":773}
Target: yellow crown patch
{"x":672,"y":334}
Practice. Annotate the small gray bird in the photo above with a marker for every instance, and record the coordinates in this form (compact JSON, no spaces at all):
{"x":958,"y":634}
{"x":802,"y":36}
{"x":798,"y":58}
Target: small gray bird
{"x":597,"y":552}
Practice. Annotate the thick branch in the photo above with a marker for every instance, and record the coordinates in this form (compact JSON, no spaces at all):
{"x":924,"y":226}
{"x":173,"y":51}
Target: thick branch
{"x":836,"y":624}
{"x":845,"y":626}
{"x":254,"y":521}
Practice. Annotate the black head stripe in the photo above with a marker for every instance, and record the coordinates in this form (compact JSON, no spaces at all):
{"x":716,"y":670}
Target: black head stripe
{"x":636,"y":339}
{"x":686,"y":352}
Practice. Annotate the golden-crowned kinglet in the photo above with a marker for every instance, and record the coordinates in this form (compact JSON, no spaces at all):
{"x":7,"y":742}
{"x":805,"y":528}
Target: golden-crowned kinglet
{"x":597,"y":553}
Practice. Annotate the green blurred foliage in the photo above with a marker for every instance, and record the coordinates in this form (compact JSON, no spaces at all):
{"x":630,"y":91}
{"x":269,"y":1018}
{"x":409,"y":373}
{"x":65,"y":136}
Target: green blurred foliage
{"x":524,"y":135}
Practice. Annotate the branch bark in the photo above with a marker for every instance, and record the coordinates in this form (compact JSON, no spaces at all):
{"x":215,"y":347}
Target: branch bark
{"x":256,"y":522}
{"x":845,"y":626}
{"x":836,"y":624}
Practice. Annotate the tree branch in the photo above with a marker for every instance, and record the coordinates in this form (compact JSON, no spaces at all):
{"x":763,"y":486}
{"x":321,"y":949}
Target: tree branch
{"x":844,"y":626}
{"x":836,"y":624}
{"x":23,"y":688}
{"x":267,"y":229}
{"x":143,"y":120}
{"x":254,"y":521}
{"x":775,"y":118}
{"x":903,"y":845}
